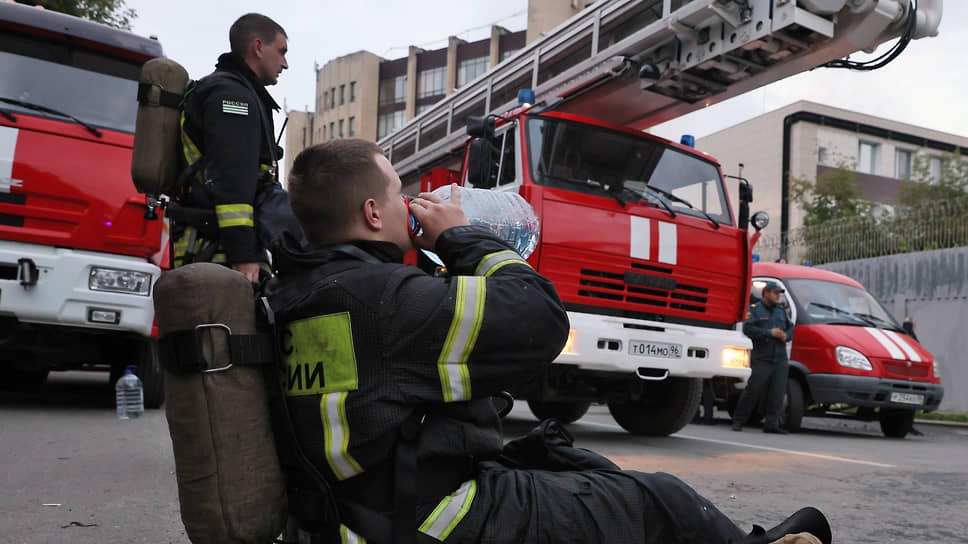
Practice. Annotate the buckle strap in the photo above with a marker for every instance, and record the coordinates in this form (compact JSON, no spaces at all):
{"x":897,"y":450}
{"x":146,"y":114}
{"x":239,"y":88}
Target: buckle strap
{"x":181,"y":351}
{"x":160,"y":97}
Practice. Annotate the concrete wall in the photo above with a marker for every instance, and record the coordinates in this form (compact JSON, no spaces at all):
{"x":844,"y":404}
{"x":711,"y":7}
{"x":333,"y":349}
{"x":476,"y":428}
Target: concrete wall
{"x":932,"y":288}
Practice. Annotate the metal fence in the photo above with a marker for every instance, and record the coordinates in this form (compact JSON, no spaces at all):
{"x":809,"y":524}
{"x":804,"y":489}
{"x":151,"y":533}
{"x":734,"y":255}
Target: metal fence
{"x":935,"y":225}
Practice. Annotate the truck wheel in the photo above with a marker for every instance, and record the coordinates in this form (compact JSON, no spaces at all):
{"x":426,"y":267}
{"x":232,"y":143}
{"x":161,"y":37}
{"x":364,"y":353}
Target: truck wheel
{"x":26,"y":380}
{"x":792,"y":414}
{"x":665,"y":407}
{"x":897,"y":423}
{"x":151,"y":374}
{"x":565,"y":412}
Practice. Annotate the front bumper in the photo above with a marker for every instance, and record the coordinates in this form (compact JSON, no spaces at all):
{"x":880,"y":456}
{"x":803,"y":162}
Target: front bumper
{"x":605,"y":343}
{"x":872,"y":392}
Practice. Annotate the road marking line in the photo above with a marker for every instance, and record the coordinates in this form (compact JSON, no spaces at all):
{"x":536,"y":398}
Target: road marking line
{"x":756,"y":447}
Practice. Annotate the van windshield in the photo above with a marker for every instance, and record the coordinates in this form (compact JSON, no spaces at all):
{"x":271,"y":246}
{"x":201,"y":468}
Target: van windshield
{"x":96,"y":89}
{"x":822,"y":301}
{"x":609,"y":163}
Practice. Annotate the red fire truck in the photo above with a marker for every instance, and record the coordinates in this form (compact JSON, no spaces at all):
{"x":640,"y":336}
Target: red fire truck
{"x":76,"y":252}
{"x":637,"y":232}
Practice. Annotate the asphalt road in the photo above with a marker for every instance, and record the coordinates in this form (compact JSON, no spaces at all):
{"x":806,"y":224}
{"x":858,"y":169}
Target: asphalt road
{"x":72,"y":473}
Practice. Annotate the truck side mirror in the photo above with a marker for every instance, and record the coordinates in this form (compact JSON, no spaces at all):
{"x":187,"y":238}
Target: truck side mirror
{"x":481,"y":127}
{"x":479,"y":162}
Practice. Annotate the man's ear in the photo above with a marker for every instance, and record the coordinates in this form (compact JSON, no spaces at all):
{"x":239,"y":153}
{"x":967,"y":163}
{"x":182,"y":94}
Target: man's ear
{"x":372,"y":215}
{"x":256,"y":48}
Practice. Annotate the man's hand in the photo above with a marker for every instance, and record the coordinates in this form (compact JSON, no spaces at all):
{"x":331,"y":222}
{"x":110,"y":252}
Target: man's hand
{"x":778,"y":334}
{"x":250,"y":270}
{"x":435,"y":216}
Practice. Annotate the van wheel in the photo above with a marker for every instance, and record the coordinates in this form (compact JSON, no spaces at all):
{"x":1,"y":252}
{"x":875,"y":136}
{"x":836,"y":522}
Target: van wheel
{"x":565,"y":412}
{"x":897,"y":423}
{"x":792,"y":414}
{"x":665,"y":407}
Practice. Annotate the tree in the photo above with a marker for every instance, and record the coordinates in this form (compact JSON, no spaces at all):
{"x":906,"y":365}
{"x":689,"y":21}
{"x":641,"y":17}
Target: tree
{"x":926,"y":187}
{"x":109,"y":12}
{"x":835,"y":195}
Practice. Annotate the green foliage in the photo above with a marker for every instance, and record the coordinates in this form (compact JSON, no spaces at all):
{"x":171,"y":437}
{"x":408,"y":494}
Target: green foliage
{"x":923,"y":187}
{"x":109,"y":12}
{"x":835,"y":195}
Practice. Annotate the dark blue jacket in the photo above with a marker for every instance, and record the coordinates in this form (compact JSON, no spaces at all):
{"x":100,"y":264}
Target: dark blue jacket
{"x":761,"y":321}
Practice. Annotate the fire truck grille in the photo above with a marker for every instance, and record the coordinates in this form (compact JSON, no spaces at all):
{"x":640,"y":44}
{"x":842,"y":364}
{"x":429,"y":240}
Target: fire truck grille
{"x":902,"y":369}
{"x":638,"y":288}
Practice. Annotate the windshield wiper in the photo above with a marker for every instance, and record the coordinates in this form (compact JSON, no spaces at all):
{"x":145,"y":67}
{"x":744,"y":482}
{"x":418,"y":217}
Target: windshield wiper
{"x":872,"y":317}
{"x":681,"y":200}
{"x":8,"y":114}
{"x":45,"y":109}
{"x":858,"y":317}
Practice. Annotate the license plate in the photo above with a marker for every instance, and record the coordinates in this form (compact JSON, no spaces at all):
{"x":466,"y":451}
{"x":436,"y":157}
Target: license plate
{"x":907,"y":398}
{"x":655,"y":349}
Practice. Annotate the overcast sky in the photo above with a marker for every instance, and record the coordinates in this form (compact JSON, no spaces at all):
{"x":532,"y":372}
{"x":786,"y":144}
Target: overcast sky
{"x":925,"y":86}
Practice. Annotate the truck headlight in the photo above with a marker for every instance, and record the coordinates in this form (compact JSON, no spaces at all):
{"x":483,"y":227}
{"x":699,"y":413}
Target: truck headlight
{"x":734,"y":357}
{"x":851,"y":358}
{"x":115,"y":280}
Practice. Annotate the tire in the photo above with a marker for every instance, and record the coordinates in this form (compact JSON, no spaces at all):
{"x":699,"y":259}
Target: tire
{"x":151,"y":374}
{"x":791,"y":416}
{"x":897,"y":423}
{"x":565,"y":412}
{"x":665,"y":407}
{"x":25,"y":381}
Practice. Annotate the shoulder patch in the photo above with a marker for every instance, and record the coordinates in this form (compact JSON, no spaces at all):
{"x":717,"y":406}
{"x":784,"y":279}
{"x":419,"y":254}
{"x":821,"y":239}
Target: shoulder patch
{"x":237,"y":107}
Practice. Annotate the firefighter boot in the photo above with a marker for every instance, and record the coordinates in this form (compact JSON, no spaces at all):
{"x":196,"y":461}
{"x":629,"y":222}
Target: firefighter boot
{"x":806,"y":520}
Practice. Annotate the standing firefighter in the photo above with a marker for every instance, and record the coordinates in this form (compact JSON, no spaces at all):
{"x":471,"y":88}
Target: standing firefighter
{"x":227,"y":142}
{"x":390,"y":374}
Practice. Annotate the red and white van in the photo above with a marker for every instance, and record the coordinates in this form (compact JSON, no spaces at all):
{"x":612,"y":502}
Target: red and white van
{"x":849,"y":356}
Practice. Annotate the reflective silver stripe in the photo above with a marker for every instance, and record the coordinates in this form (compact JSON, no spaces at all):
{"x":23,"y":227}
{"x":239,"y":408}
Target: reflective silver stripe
{"x":886,"y":342}
{"x":468,"y":314}
{"x":668,"y":243}
{"x":901,"y":341}
{"x":347,"y":536}
{"x":490,"y":263}
{"x":640,"y":238}
{"x":8,"y":148}
{"x":449,"y":512}
{"x":332,"y":408}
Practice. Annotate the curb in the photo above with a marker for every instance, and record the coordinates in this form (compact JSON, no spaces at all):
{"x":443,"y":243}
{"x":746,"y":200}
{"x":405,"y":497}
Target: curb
{"x":943,"y":423}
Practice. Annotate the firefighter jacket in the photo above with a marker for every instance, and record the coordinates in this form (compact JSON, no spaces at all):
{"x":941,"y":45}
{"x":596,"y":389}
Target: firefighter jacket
{"x":761,"y":321}
{"x":367,"y":342}
{"x":224,"y":126}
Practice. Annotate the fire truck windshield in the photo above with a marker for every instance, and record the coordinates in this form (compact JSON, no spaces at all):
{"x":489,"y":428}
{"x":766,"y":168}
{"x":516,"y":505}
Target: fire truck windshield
{"x":612,"y":164}
{"x":46,"y":78}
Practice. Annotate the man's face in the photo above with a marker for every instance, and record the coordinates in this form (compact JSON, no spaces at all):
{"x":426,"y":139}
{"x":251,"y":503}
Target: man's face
{"x":394,"y":212}
{"x":272,"y":59}
{"x":771,"y":297}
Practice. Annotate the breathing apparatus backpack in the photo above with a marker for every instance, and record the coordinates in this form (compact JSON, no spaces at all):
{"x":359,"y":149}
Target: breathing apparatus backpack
{"x":155,"y":163}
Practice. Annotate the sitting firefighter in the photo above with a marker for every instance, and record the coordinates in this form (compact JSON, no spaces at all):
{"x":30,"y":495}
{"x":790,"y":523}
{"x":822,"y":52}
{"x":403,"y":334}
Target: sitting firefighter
{"x":379,"y":355}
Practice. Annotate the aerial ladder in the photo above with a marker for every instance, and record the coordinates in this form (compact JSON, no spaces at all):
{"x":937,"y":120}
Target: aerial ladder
{"x":637,"y":233}
{"x":638,"y":63}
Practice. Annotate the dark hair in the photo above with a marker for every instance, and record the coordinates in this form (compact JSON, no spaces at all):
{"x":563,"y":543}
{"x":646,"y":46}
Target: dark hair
{"x":249,"y":27}
{"x":330,"y":181}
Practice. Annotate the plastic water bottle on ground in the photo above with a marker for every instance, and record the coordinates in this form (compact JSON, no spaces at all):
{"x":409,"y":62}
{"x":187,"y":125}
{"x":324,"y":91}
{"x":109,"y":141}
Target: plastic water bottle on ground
{"x":507,"y":214}
{"x":129,"y":395}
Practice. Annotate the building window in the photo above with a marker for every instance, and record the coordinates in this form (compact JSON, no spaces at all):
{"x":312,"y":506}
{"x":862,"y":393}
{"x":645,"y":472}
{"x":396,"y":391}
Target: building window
{"x":423,"y":108}
{"x":393,"y":90}
{"x":468,"y":70}
{"x":903,"y":161}
{"x":352,"y":91}
{"x":342,"y":94}
{"x":431,"y":82}
{"x":332,"y":130}
{"x":325,"y":100}
{"x":823,"y":155}
{"x":509,"y":53}
{"x":867,"y":157}
{"x":935,"y":167}
{"x":340,"y":128}
{"x":332,"y":97}
{"x":352,"y":126}
{"x":389,"y":122}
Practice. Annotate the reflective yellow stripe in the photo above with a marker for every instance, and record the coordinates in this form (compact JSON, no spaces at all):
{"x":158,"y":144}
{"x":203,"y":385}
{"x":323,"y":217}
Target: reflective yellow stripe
{"x":347,"y":536}
{"x":455,"y":379}
{"x":491,"y":263}
{"x":191,"y":151}
{"x":234,"y":215}
{"x":449,"y":512}
{"x":336,"y":430}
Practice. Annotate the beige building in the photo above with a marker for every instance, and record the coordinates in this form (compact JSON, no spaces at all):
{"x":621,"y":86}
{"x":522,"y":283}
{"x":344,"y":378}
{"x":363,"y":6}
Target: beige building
{"x":801,"y":140}
{"x":362,"y":95}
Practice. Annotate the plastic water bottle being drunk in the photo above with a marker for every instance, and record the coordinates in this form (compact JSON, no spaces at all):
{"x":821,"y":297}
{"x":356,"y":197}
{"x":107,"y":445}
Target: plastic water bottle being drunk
{"x":129,"y":395}
{"x":507,"y":214}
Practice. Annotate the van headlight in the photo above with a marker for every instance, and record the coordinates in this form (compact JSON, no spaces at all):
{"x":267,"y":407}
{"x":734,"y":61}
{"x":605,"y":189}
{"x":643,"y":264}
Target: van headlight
{"x":734,"y":357}
{"x":851,"y":358}
{"x":115,"y":280}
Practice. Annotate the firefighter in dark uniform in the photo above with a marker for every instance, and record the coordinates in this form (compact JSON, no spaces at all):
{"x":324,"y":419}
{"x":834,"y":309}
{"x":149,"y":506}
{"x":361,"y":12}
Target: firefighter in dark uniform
{"x":369,"y":342}
{"x":770,"y":329}
{"x":227,"y":137}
